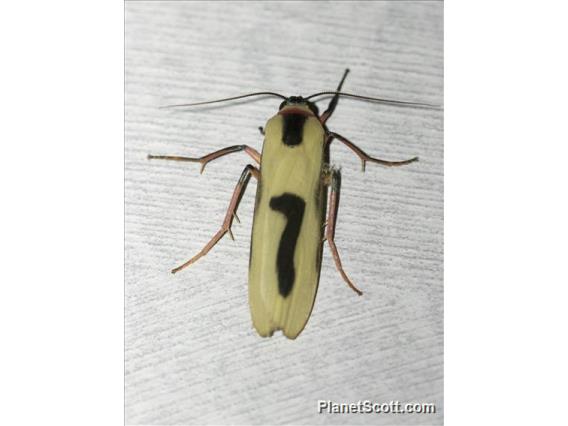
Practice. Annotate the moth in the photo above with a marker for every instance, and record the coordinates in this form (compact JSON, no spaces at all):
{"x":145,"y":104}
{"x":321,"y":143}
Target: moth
{"x":293,"y":217}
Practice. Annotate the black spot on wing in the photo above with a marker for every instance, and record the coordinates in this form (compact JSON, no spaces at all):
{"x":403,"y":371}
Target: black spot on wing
{"x":293,"y":129}
{"x":292,"y":207}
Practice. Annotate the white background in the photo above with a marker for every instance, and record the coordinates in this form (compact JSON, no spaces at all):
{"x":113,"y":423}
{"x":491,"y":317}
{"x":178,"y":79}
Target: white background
{"x":61,"y":178}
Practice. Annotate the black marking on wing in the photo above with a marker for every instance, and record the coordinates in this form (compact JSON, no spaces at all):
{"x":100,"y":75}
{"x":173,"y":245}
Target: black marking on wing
{"x":292,"y":207}
{"x":293,"y":129}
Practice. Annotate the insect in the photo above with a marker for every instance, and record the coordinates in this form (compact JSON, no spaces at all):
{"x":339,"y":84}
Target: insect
{"x":290,"y":227}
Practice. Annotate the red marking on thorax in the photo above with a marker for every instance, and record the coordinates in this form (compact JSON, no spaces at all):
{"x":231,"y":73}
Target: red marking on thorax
{"x":292,"y":110}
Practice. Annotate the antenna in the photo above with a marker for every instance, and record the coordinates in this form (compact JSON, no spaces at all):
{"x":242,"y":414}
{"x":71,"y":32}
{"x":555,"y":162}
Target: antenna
{"x":226,"y":99}
{"x":379,"y":100}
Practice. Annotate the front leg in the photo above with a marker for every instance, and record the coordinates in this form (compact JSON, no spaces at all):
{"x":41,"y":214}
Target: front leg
{"x":231,"y":213}
{"x":254,"y":154}
{"x":333,"y":103}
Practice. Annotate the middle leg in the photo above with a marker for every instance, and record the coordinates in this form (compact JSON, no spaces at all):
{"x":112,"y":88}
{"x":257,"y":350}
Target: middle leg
{"x":364,"y":156}
{"x":231,"y":213}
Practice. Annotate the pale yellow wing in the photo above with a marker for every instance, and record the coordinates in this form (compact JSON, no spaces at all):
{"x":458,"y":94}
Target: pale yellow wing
{"x":290,"y":184}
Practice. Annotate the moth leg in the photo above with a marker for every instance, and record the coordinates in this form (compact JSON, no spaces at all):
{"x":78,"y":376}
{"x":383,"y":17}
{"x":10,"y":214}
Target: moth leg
{"x":231,"y":213}
{"x":365,"y":157}
{"x":331,"y":222}
{"x":254,"y":154}
{"x":331,"y":107}
{"x":261,"y":130}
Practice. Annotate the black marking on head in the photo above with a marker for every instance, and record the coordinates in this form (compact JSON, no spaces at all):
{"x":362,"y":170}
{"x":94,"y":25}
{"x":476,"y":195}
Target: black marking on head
{"x":293,"y":100}
{"x":292,"y":207}
{"x":293,"y":129}
{"x":299,"y":101}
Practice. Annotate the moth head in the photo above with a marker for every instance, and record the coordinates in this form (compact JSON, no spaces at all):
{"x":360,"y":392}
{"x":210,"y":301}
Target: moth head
{"x":299,"y":101}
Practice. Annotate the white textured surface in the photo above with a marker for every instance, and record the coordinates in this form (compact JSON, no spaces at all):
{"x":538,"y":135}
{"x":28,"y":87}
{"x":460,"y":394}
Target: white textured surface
{"x":192,"y":356}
